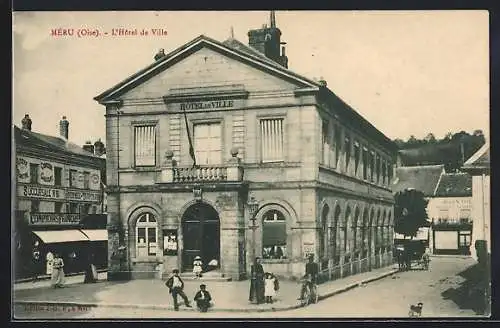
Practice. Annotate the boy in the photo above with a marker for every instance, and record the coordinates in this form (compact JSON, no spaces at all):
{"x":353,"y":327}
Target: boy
{"x":176,"y":287}
{"x":203,"y":298}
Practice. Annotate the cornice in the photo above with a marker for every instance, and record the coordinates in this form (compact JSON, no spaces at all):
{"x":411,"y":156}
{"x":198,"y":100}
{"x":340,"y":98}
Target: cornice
{"x":60,"y":156}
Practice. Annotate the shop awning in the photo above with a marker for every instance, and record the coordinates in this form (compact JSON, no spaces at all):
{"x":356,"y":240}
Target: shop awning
{"x":96,"y":234}
{"x":61,"y":236}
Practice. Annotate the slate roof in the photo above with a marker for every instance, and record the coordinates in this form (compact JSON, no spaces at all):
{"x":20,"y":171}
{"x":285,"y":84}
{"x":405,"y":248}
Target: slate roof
{"x":480,"y":160}
{"x":423,"y":178}
{"x":23,"y":136}
{"x":454,"y":185}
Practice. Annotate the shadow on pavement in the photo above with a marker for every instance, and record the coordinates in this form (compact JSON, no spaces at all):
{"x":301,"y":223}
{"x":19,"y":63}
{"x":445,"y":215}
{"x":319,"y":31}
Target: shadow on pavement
{"x":470,"y":294}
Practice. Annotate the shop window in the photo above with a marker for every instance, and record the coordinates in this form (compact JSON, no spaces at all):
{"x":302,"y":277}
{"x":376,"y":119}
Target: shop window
{"x":86,"y":180}
{"x":271,"y":133}
{"x":464,"y":240}
{"x":145,"y":145}
{"x":94,"y":209}
{"x":274,"y":235}
{"x":85,"y":208}
{"x":58,"y":207}
{"x":57,"y":176}
{"x":73,"y":208}
{"x":146,"y":235}
{"x":207,"y":143}
{"x":35,"y":206}
{"x":34,"y":173}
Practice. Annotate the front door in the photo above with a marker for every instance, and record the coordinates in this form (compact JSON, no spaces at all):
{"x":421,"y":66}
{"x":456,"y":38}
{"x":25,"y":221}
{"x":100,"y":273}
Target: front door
{"x":201,"y":235}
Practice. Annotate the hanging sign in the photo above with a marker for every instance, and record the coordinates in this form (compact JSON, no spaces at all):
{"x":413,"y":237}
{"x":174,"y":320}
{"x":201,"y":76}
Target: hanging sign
{"x":46,"y":174}
{"x":23,"y":170}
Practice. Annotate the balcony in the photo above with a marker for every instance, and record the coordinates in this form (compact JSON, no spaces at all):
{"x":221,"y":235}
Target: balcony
{"x":232,"y":171}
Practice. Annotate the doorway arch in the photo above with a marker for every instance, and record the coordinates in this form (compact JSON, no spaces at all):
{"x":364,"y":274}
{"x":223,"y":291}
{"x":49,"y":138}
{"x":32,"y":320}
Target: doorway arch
{"x":200,"y":235}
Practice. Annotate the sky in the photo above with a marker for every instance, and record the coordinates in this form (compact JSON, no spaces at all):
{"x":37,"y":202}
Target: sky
{"x":408,"y":73}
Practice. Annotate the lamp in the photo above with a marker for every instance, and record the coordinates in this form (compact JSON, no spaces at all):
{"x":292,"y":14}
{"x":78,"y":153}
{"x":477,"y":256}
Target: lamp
{"x":253,"y":207}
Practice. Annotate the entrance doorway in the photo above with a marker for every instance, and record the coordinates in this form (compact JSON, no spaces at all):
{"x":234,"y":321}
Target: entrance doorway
{"x":201,"y":235}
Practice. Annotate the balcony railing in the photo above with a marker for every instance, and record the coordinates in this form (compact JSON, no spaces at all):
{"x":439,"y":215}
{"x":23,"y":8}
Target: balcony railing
{"x":231,"y":171}
{"x":194,"y":174}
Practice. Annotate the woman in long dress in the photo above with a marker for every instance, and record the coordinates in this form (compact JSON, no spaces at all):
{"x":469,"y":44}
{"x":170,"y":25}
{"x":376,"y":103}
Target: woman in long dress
{"x":57,"y":279}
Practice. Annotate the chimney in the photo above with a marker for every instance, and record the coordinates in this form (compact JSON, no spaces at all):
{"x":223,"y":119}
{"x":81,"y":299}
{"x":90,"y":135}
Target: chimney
{"x":160,"y":54}
{"x":89,"y":147}
{"x":26,"y":122}
{"x":99,"y":148}
{"x":266,"y":40}
{"x":64,"y":128}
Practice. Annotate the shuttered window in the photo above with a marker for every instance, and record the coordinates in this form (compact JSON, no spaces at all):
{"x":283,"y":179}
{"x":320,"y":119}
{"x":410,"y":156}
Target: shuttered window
{"x":145,"y":145}
{"x":271,"y":132}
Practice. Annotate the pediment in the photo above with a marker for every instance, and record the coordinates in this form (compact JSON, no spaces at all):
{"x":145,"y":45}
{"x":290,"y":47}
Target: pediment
{"x":206,"y":66}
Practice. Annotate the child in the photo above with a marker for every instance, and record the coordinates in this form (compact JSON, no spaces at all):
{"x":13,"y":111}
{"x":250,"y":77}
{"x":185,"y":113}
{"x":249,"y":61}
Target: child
{"x":203,"y":298}
{"x":197,"y":269}
{"x":270,"y":287}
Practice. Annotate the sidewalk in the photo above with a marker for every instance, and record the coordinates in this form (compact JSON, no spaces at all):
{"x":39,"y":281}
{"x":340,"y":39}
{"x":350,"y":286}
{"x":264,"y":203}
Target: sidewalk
{"x":152,"y":294}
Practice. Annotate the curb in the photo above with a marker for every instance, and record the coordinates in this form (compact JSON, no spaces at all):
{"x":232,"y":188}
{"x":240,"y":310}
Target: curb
{"x":47,"y":277}
{"x":165,"y":307}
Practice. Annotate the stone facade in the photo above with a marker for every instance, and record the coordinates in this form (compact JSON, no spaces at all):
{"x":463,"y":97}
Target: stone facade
{"x":214,"y":84}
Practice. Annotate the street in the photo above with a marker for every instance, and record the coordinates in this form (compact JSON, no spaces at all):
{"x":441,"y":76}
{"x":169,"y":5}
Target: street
{"x":390,"y":297}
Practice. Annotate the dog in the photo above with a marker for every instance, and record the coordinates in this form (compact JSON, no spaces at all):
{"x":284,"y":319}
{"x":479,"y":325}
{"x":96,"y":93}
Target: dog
{"x":416,"y":310}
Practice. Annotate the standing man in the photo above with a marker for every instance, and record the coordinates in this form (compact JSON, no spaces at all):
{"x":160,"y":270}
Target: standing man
{"x":312,"y":271}
{"x":36,"y":261}
{"x":176,"y":287}
{"x":257,"y":282}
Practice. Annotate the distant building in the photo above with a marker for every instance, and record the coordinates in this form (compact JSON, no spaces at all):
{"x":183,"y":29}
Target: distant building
{"x":478,"y":165}
{"x":57,"y":186}
{"x":449,"y":205}
{"x":450,"y":212}
{"x":215,"y":134}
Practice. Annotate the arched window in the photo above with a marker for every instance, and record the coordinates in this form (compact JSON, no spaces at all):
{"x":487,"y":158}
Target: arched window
{"x":347,"y":225}
{"x":355,"y":236}
{"x":146,"y":232}
{"x":333,"y":235}
{"x":364,"y":231}
{"x":323,"y":232}
{"x":274,"y":235}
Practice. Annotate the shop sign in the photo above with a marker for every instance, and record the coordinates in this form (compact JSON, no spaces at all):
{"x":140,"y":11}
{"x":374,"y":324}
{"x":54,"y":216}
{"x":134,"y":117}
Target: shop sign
{"x":23,"y":170}
{"x":212,"y":104}
{"x":307,"y":249}
{"x":46,"y":173}
{"x":170,"y":242}
{"x":54,"y":219}
{"x":42,"y":192}
{"x":83,"y":196}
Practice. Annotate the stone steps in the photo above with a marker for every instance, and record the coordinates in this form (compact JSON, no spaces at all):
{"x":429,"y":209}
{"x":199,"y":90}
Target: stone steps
{"x":207,"y":276}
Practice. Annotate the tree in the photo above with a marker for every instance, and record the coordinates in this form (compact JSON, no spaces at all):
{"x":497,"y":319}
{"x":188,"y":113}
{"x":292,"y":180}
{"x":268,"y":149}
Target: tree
{"x":400,"y":143}
{"x":412,"y":141}
{"x":447,"y":137}
{"x":430,"y":138}
{"x":410,"y":212}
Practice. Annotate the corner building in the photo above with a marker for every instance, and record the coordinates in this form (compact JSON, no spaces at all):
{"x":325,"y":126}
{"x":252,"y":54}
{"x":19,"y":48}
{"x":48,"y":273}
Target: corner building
{"x":261,"y":133}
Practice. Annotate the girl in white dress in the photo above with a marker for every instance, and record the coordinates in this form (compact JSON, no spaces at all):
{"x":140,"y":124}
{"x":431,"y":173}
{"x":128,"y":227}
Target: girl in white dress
{"x":270,"y":287}
{"x":197,"y":266}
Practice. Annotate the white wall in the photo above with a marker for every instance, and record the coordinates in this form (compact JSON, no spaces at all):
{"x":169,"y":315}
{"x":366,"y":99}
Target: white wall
{"x":481,"y":211}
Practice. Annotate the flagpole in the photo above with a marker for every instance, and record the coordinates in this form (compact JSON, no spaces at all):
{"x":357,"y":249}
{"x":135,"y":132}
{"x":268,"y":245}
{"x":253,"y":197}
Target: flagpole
{"x":191,"y":148}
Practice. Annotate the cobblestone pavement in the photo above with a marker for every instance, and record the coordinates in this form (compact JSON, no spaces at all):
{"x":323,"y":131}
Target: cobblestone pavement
{"x":388,"y":297}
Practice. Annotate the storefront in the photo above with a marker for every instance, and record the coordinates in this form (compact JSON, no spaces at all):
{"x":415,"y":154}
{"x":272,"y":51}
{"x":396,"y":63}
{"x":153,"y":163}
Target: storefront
{"x":57,"y":185}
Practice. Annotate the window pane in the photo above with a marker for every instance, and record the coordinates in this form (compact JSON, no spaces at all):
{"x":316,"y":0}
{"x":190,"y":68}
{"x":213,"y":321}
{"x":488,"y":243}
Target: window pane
{"x":152,"y":235}
{"x":141,"y":235}
{"x":271,"y":140}
{"x":145,"y":145}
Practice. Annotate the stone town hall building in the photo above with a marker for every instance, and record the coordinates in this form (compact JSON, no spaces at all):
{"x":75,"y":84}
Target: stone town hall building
{"x":261,"y":134}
